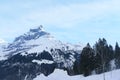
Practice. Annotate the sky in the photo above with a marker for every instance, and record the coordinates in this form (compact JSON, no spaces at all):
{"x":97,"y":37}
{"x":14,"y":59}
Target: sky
{"x":68,"y":20}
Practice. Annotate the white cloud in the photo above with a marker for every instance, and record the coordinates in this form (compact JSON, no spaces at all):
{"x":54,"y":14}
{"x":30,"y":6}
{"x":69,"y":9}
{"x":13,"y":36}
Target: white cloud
{"x":17,"y":20}
{"x":69,"y":15}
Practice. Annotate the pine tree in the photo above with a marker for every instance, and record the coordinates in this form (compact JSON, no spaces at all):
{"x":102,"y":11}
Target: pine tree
{"x":87,"y":60}
{"x":111,"y":52}
{"x":117,"y":56}
{"x":102,"y":56}
{"x":76,"y":68}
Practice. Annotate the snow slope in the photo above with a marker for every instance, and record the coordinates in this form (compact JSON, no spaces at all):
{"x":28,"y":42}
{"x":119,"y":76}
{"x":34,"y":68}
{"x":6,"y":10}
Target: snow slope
{"x":57,"y":75}
{"x":62,"y":75}
{"x":1,"y":53}
{"x":2,"y":46}
{"x":43,"y":61}
{"x":37,"y":40}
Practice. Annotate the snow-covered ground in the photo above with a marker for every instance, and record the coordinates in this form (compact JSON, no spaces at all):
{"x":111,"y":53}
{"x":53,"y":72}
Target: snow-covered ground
{"x":57,"y":75}
{"x":43,"y":61}
{"x":62,"y":75}
{"x":2,"y":45}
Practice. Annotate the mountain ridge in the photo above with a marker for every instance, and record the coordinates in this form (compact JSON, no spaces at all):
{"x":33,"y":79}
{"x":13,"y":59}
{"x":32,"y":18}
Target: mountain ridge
{"x":34,"y":53}
{"x":37,"y":40}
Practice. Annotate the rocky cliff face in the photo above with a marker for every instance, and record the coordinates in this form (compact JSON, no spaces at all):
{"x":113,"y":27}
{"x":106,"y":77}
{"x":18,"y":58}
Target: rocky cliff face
{"x":19,"y":67}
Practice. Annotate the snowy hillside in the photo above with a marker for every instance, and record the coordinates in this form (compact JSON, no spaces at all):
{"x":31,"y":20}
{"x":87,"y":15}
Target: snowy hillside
{"x":2,"y":46}
{"x":1,"y":53}
{"x":36,"y":52}
{"x":62,"y":75}
{"x":37,"y":40}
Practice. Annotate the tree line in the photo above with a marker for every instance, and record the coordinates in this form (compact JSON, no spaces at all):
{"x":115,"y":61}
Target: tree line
{"x":97,"y":59}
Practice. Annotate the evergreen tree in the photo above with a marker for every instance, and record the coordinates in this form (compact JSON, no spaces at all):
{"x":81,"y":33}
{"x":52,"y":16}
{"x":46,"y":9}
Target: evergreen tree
{"x":102,"y":56}
{"x":76,"y":67}
{"x":87,"y":60}
{"x":98,"y":59}
{"x":110,"y":58}
{"x":111,"y":52}
{"x":117,"y":56}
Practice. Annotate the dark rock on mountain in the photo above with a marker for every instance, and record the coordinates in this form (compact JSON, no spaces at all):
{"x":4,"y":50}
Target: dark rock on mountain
{"x":19,"y":67}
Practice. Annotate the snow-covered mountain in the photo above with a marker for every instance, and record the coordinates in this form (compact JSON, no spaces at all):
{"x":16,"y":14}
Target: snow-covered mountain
{"x":37,"y":40}
{"x":37,"y":55}
{"x":36,"y":52}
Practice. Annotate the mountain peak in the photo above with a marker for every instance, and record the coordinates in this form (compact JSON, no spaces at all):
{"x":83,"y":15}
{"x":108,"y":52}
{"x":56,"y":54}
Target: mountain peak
{"x":32,"y":34}
{"x":38,"y":29}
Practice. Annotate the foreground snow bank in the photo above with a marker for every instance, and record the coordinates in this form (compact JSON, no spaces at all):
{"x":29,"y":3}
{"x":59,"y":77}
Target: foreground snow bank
{"x":57,"y":75}
{"x":112,"y":75}
{"x":62,"y":75}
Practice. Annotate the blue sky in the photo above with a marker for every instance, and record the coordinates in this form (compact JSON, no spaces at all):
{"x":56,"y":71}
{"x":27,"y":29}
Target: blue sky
{"x":68,"y":20}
